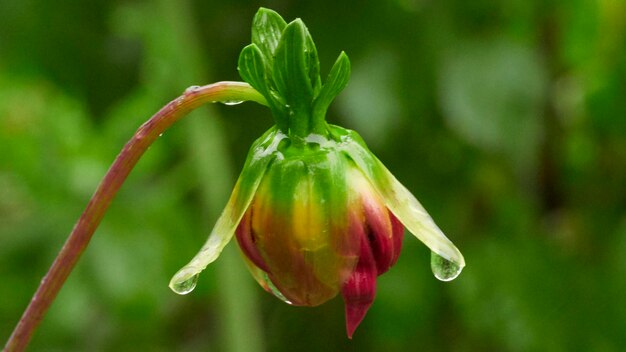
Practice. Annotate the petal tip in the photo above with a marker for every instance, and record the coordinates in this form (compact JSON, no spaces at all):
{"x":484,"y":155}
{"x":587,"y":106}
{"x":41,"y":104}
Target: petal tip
{"x":355,"y":312}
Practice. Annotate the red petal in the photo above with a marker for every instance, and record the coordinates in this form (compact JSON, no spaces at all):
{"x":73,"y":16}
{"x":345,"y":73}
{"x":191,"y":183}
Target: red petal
{"x":246,"y":240}
{"x":398,"y":236}
{"x":384,"y":233}
{"x":360,"y":288}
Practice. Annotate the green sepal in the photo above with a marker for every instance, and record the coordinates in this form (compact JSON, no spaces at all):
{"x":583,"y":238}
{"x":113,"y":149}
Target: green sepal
{"x":312,"y":62}
{"x":397,"y":198}
{"x":290,"y":71}
{"x":267,"y":28}
{"x":283,"y":65}
{"x":253,"y":68}
{"x":261,"y":155}
{"x":335,"y":83}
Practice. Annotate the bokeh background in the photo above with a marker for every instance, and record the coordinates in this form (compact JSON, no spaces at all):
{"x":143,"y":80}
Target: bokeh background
{"x":507,"y":119}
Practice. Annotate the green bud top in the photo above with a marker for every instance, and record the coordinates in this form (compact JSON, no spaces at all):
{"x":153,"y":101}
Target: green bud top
{"x":282,"y":64}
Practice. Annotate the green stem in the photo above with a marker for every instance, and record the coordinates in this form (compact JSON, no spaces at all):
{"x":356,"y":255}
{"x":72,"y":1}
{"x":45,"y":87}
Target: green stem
{"x":84,"y":229}
{"x":303,"y":124}
{"x":299,"y":126}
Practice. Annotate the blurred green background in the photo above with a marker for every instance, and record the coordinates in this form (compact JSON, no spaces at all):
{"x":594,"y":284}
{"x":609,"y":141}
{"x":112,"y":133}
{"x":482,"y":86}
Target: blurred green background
{"x":507,"y":119}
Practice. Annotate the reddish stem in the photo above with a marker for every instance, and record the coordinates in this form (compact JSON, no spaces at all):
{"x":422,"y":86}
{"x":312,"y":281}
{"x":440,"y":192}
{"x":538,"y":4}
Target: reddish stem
{"x":110,"y":184}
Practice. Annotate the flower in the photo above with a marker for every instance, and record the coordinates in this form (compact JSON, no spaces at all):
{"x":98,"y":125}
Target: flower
{"x":315,"y":213}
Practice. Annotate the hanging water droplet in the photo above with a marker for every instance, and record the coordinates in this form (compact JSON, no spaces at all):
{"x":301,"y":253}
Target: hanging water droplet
{"x":184,"y":287}
{"x":443,"y":269}
{"x":232,"y":102}
{"x":275,"y":291}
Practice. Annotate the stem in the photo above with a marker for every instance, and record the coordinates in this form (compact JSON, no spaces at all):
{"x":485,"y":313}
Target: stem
{"x":84,"y":229}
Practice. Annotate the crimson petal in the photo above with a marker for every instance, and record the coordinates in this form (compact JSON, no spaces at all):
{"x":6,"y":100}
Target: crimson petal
{"x":246,"y":240}
{"x":360,"y":288}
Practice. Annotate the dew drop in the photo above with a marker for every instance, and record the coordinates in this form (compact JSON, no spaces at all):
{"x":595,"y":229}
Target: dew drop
{"x":232,"y":102}
{"x":184,"y":287}
{"x":191,"y":89}
{"x":443,"y":269}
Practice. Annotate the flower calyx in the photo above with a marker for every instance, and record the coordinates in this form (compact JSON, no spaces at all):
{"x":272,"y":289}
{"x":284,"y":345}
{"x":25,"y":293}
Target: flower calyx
{"x":283,"y":65}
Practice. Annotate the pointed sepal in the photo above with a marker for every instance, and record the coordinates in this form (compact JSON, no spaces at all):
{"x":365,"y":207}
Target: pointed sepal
{"x":254,"y":68}
{"x":256,"y":165}
{"x":267,"y":28}
{"x":335,"y":83}
{"x":282,"y":63}
{"x":291,"y":74}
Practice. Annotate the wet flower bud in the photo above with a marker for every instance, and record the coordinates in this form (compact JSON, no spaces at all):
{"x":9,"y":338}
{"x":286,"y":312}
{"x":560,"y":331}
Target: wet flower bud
{"x":319,"y":217}
{"x":314,"y":211}
{"x":316,"y":226}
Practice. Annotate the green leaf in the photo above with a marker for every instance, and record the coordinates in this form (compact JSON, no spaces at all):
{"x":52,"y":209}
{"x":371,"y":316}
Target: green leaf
{"x":290,"y":67}
{"x":252,"y":68}
{"x":267,"y":28}
{"x":312,"y":62}
{"x":335,"y":83}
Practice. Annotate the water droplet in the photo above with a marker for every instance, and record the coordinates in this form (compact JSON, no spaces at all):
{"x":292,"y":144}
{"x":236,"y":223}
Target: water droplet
{"x":443,"y":269}
{"x":232,"y":102}
{"x":275,"y":291}
{"x":191,"y":89}
{"x":184,"y":287}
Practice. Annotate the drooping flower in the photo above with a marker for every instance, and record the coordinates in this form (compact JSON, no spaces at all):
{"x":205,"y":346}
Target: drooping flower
{"x":315,"y":213}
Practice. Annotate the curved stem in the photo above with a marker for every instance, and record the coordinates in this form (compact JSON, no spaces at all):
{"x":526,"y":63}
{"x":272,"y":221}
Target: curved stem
{"x":84,"y":229}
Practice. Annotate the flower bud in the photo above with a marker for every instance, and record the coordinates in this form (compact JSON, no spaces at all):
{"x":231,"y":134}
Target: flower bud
{"x":314,"y":211}
{"x":313,"y":220}
{"x":317,"y":217}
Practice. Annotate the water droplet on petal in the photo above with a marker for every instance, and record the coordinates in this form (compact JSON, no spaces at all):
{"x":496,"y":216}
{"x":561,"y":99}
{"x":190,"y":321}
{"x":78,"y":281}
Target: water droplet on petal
{"x":232,"y":102}
{"x":443,"y":269}
{"x":184,"y":287}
